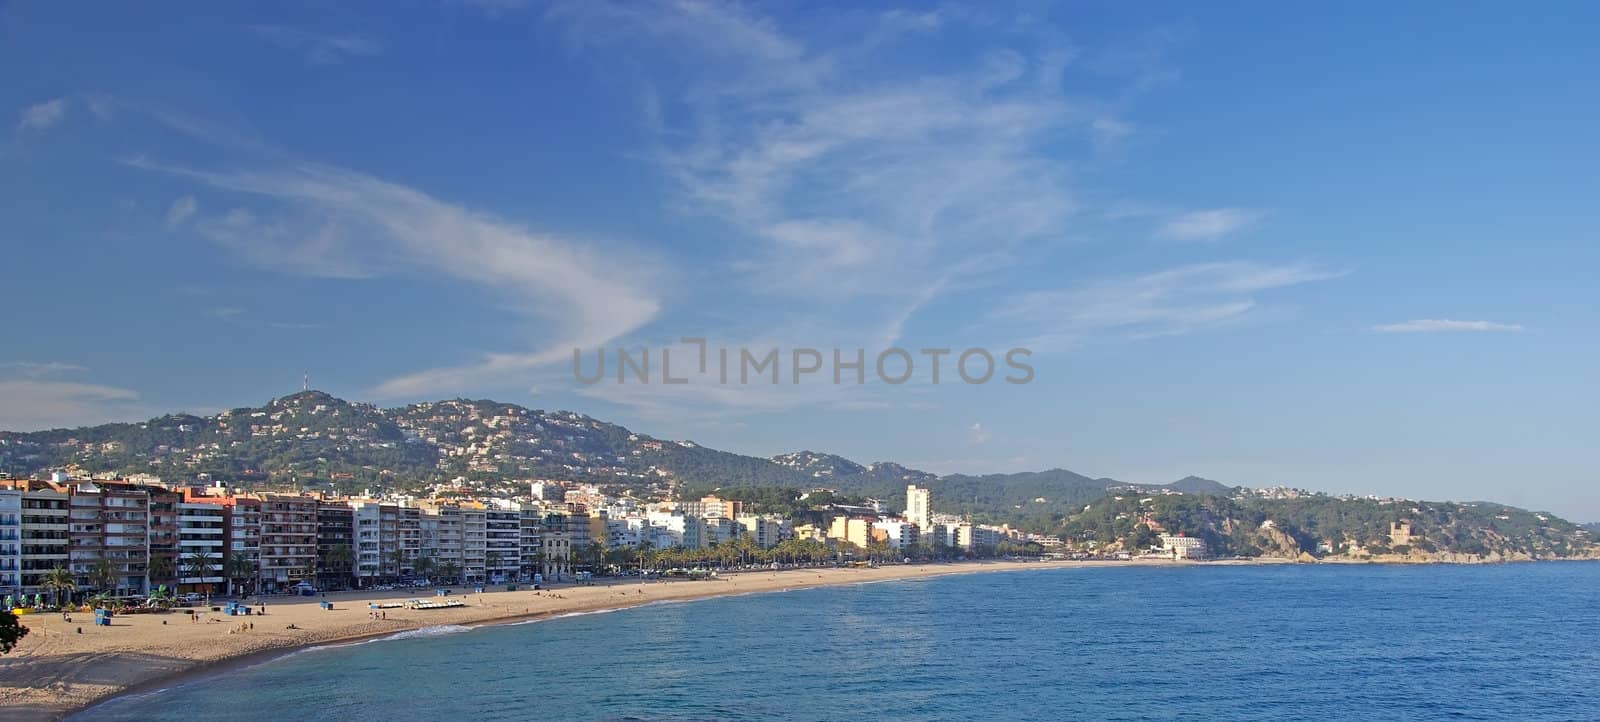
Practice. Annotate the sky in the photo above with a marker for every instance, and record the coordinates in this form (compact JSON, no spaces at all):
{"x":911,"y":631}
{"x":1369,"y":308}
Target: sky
{"x":1348,"y":248}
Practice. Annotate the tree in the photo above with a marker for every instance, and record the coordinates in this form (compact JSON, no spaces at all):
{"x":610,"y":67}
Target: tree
{"x":162,"y":567}
{"x":398,"y":558}
{"x":491,"y":561}
{"x":198,"y":566}
{"x":103,"y":575}
{"x":337,"y":561}
{"x":11,"y":630}
{"x":238,"y":567}
{"x":450,"y":570}
{"x":423,"y":566}
{"x":60,"y":584}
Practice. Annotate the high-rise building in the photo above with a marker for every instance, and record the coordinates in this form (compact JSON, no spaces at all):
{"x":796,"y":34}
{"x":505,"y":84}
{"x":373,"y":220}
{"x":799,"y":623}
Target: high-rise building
{"x":43,"y":530}
{"x":288,"y":540}
{"x":474,"y":544}
{"x":10,"y":542}
{"x":369,"y":549}
{"x":502,"y":544}
{"x":336,"y":550}
{"x":108,"y":536}
{"x":919,"y":506}
{"x":163,"y":540}
{"x":410,"y":526}
{"x":202,"y":546}
{"x":530,"y":523}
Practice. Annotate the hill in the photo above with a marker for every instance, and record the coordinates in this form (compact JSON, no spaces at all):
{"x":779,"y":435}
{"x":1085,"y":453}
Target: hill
{"x":312,"y":440}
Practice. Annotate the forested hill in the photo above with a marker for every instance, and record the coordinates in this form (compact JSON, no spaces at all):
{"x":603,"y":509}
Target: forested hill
{"x":311,"y":439}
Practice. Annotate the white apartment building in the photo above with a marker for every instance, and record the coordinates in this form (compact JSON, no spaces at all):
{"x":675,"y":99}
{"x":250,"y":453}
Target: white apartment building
{"x":368,"y":547}
{"x":502,"y":544}
{"x":901,"y":533}
{"x":10,"y":542}
{"x":202,"y":546}
{"x":767,"y":531}
{"x":1184,"y":547}
{"x":474,"y":544}
{"x":43,"y":533}
{"x":919,"y":506}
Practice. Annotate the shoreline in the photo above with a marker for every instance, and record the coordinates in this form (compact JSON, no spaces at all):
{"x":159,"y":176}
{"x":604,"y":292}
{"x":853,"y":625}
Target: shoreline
{"x":56,"y":683}
{"x":59,"y":674}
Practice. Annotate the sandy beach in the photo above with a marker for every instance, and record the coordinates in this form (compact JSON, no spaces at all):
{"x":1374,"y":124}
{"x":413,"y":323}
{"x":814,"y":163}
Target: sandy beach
{"x":57,"y":669}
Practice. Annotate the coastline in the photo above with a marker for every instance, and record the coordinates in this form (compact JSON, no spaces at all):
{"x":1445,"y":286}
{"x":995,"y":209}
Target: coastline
{"x":57,"y":671}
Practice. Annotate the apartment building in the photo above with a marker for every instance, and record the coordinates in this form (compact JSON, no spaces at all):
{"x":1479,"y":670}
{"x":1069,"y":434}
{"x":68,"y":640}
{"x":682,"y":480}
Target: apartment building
{"x":766,"y":531}
{"x":108,"y":536}
{"x":899,"y":533}
{"x":43,"y":530}
{"x":713,"y":507}
{"x":441,"y":539}
{"x":474,"y":544}
{"x":530,"y":524}
{"x":335,"y":545}
{"x":288,"y":541}
{"x":850,"y":530}
{"x":10,"y":542}
{"x":557,"y":549}
{"x":389,"y":541}
{"x":410,"y":527}
{"x":244,"y":540}
{"x":202,"y":546}
{"x":369,"y":551}
{"x":919,"y":506}
{"x":502,"y":544}
{"x":163,"y":538}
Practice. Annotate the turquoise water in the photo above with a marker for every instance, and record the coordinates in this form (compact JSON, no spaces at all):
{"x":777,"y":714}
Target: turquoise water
{"x":1251,"y":643}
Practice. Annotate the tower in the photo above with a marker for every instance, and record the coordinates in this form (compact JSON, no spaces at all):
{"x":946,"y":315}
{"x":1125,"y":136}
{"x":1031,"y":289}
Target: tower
{"x":919,"y":506}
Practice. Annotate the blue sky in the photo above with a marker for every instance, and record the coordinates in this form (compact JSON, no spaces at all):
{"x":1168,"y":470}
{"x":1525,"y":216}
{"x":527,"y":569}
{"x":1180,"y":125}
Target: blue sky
{"x":1349,"y":248}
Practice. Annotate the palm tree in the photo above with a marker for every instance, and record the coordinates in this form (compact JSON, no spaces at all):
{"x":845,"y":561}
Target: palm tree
{"x":491,"y":561}
{"x":398,"y":557}
{"x":338,"y":560}
{"x":161,"y":567}
{"x":450,"y":570}
{"x":59,"y":582}
{"x":423,"y":566}
{"x":103,"y":575}
{"x":198,"y":566}
{"x":237,"y":567}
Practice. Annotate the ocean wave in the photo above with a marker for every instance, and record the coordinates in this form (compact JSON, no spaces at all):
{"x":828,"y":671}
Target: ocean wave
{"x":431,"y":631}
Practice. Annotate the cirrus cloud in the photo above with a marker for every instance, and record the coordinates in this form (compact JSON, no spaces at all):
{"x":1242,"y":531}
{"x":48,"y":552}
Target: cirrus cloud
{"x":1435,"y":325}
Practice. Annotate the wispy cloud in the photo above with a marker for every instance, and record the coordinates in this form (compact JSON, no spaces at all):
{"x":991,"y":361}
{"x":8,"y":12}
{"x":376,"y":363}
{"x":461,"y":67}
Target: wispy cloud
{"x":1435,"y":325}
{"x":225,"y":313}
{"x":977,"y":434}
{"x":333,"y":222}
{"x":1207,"y":225}
{"x":31,"y":404}
{"x":318,"y":48}
{"x":36,"y":369}
{"x":1174,"y":301}
{"x":43,"y":115}
{"x":181,"y":210}
{"x":842,"y":179}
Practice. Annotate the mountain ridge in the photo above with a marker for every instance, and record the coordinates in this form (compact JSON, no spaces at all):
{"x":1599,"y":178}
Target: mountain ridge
{"x":311,"y":436}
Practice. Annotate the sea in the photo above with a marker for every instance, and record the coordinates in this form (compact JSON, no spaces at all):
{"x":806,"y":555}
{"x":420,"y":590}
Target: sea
{"x":1318,"y":642}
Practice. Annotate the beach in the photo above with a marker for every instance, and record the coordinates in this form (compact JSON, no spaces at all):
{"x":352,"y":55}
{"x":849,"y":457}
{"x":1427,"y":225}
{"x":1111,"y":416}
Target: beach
{"x":57,"y":669}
